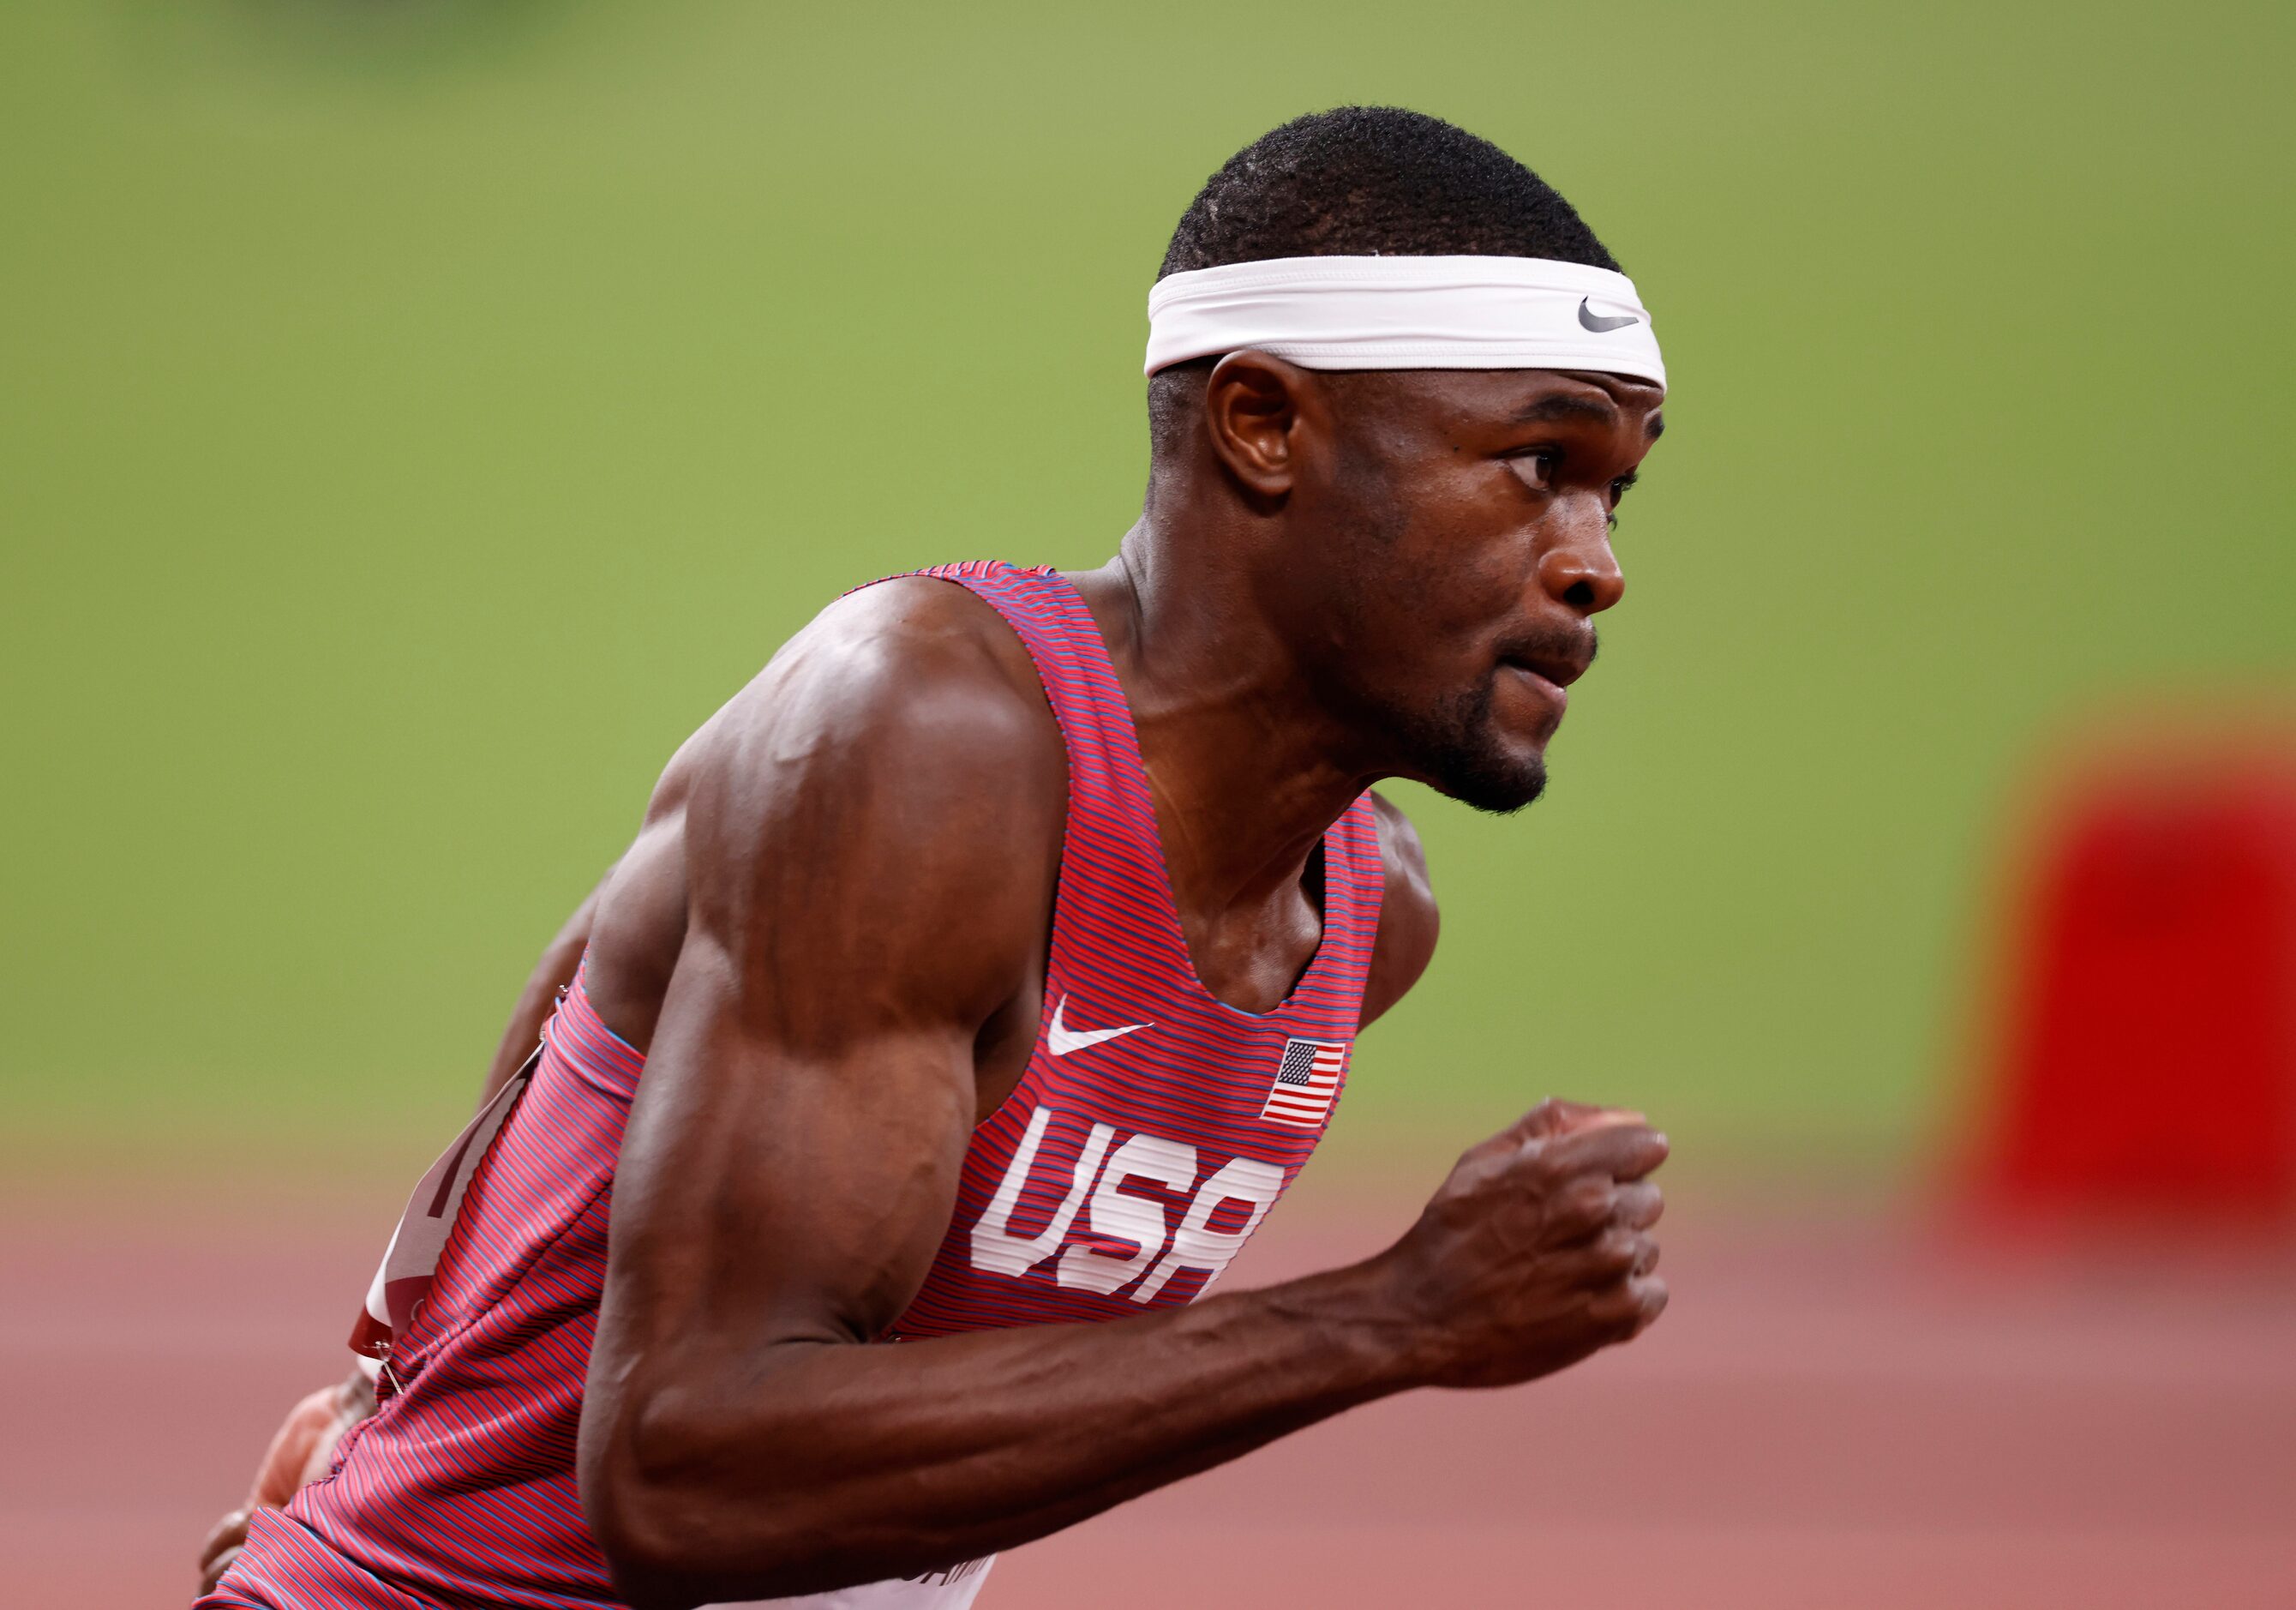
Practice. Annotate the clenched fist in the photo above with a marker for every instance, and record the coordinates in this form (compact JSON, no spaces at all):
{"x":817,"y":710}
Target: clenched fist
{"x":1536,"y":1251}
{"x":299,"y":1454}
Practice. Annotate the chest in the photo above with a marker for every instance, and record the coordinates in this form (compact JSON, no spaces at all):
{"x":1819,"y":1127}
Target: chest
{"x":1254,"y":963}
{"x":1148,"y":1137}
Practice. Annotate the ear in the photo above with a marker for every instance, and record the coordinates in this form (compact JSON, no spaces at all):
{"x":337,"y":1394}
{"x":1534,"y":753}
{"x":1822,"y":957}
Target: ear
{"x":1256,"y":408}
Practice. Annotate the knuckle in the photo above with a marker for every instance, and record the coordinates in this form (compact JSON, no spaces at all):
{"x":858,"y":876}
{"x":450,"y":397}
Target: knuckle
{"x":1539,"y":1178}
{"x":1638,"y":1207}
{"x":1617,"y":1252}
{"x":1628,"y":1308}
{"x":1587,"y":1202}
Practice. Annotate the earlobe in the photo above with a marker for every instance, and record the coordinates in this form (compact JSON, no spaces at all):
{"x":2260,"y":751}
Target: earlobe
{"x":1252,"y":408}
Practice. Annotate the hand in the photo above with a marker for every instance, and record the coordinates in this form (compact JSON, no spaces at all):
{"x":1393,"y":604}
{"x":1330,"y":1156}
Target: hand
{"x":301,"y":1452}
{"x":1536,"y":1251}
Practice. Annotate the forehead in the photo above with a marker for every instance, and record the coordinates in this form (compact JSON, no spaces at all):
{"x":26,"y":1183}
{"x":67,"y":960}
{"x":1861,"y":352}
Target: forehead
{"x":1453,"y":400}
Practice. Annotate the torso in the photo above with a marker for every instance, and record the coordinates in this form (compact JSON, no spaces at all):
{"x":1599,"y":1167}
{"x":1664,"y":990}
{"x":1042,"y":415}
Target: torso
{"x":1136,"y":1129}
{"x":1153,"y":1124}
{"x":642,"y":921}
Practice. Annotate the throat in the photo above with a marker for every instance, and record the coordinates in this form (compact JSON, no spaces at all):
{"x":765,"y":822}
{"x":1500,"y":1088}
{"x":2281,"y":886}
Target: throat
{"x":1253,"y":955}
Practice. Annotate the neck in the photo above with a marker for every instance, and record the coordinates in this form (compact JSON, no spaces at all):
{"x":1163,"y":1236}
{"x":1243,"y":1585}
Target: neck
{"x":1247,"y":769}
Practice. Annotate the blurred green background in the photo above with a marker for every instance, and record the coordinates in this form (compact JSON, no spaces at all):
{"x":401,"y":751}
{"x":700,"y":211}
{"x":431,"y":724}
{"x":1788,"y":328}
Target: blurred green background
{"x":418,"y":417}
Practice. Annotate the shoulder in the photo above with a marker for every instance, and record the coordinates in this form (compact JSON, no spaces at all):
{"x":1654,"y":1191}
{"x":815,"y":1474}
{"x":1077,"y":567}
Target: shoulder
{"x":1408,"y":919}
{"x":915,"y":656}
{"x":914,"y":676}
{"x":897,"y":750}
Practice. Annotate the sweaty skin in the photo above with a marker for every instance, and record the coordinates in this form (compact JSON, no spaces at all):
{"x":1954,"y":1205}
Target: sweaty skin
{"x":829,"y":941}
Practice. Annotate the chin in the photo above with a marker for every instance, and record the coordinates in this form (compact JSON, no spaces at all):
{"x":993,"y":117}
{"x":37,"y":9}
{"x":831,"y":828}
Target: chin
{"x":1493,"y":780}
{"x":1462,"y":750}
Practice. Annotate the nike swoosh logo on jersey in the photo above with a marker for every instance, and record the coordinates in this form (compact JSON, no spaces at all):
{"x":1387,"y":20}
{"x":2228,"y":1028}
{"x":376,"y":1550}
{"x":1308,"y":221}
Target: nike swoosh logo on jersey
{"x":1063,"y":1039}
{"x":1595,"y":322}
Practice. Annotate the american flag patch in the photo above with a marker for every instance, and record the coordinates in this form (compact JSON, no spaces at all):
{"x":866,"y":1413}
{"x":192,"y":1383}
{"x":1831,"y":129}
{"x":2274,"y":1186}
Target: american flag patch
{"x":1306,"y":1082}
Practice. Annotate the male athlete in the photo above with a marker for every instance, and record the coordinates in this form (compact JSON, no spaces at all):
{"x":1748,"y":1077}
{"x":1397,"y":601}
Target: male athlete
{"x":984,"y":972}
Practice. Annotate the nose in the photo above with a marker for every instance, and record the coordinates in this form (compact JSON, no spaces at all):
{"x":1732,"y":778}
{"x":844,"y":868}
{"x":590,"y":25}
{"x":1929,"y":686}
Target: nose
{"x":1583,"y":575}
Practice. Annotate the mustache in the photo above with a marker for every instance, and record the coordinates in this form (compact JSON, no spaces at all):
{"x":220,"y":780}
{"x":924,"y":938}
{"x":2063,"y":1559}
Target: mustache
{"x":1572,"y":644}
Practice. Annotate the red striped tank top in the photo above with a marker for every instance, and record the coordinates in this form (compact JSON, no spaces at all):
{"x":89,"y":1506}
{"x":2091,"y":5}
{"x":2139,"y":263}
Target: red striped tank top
{"x":1153,"y":1130}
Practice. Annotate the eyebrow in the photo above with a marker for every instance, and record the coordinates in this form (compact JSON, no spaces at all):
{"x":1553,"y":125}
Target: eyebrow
{"x":1563,"y":405}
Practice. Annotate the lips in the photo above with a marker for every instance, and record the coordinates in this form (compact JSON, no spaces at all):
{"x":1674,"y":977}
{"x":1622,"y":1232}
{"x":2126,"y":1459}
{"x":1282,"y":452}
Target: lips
{"x":1558,"y":670}
{"x":1546,"y":670}
{"x":1541,"y":685}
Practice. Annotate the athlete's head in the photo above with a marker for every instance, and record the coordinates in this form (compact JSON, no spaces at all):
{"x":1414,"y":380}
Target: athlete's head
{"x":1433,"y":542}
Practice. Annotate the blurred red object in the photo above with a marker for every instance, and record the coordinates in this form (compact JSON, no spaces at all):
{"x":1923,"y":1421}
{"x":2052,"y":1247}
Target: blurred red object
{"x":2146,"y":1060}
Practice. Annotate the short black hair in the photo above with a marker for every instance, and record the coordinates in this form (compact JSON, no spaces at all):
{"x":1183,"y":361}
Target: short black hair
{"x":1376,"y":181}
{"x":1363,"y":181}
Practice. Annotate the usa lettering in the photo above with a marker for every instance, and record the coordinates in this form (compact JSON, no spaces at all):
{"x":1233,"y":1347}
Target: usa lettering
{"x":1110,"y":1224}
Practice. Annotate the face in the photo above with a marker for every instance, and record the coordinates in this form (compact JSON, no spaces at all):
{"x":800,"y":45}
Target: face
{"x":1456,"y":526}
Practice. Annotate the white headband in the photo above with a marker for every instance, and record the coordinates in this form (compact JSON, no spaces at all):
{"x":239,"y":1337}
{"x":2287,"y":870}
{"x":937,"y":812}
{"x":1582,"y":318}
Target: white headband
{"x":1406,"y":313}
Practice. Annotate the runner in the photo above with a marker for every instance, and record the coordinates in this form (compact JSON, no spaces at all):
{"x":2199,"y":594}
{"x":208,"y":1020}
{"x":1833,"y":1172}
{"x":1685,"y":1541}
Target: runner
{"x":993,"y":962}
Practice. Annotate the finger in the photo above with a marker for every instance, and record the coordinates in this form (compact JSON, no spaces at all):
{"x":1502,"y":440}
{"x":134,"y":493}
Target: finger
{"x":1629,"y":1308}
{"x":311,"y":1423}
{"x":1651,"y":1297}
{"x":1613,"y":1258}
{"x":1549,"y":1120}
{"x":223,"y":1540}
{"x":1556,"y":1117}
{"x":1625,"y":1151}
{"x":1577,"y":1209}
{"x":1637,"y":1205}
{"x":320,"y":1461}
{"x":211,"y":1570}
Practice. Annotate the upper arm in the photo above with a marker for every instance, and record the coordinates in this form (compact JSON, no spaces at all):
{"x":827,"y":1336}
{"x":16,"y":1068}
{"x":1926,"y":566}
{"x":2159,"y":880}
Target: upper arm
{"x":1408,"y":921}
{"x":552,"y":972}
{"x":865,"y":837}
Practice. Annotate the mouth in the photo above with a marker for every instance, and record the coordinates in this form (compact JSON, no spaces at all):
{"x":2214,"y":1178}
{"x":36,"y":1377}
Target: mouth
{"x":1558,"y":672}
{"x":1548,"y":674}
{"x":1543,"y":689}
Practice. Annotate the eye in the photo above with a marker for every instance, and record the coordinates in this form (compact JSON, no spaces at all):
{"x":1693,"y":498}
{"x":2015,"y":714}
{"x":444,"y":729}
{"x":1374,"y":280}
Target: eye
{"x":1537,"y":466}
{"x":1619,"y":490}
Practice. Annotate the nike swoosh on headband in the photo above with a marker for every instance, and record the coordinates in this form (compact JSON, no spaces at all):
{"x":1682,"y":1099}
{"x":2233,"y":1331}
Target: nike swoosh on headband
{"x":1595,"y":322}
{"x":1458,"y":312}
{"x":1061,"y":1039}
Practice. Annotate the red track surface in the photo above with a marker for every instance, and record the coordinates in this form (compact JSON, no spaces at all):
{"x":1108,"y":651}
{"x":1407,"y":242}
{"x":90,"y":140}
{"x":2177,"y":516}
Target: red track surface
{"x":1833,"y":1414}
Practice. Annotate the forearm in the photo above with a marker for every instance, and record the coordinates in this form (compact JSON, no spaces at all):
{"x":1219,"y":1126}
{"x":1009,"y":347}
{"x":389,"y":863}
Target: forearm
{"x":838,"y":1464}
{"x":551,"y":974}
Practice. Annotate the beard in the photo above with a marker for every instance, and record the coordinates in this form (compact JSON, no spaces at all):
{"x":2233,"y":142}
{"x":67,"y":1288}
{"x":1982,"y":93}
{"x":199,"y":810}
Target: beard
{"x":1454,"y":744}
{"x":1458,"y":749}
